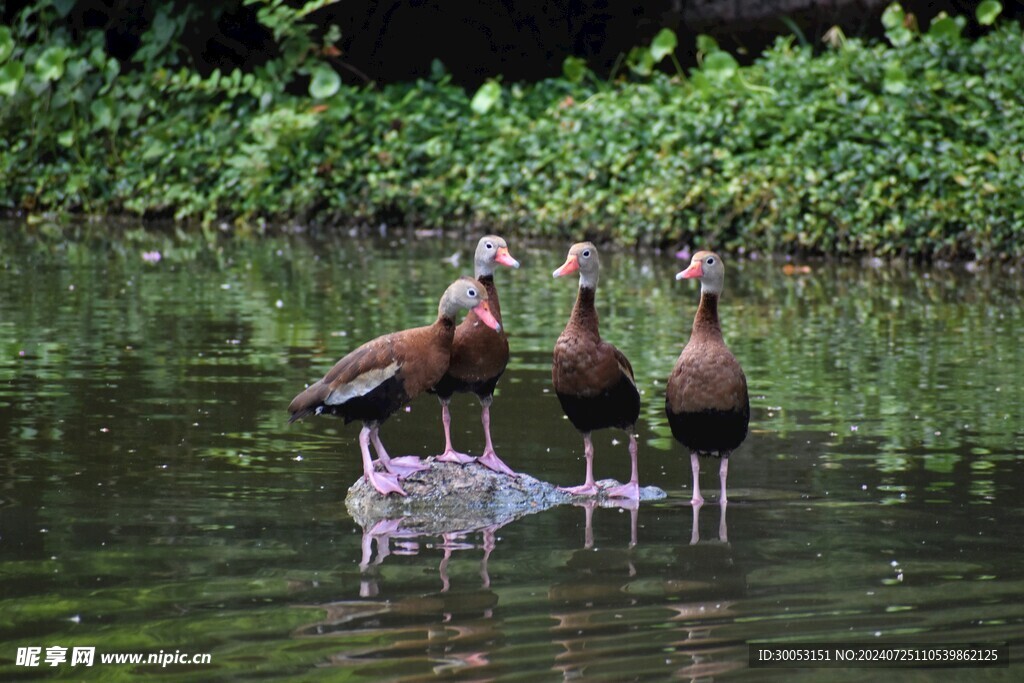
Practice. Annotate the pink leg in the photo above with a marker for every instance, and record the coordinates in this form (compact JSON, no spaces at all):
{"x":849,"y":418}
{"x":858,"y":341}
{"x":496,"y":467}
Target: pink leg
{"x":695,"y":466}
{"x":723,"y":528}
{"x":488,"y":537}
{"x":403,"y":466}
{"x":589,"y":487}
{"x":442,"y":569}
{"x":630,"y":490}
{"x":382,"y":481}
{"x":588,"y":521}
{"x":381,"y":531}
{"x":450,"y":454}
{"x":723,"y":474}
{"x":490,"y":459}
{"x":695,"y":528}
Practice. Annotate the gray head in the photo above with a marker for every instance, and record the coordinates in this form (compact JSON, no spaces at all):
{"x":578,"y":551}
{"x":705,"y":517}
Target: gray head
{"x":467,"y":293}
{"x":583,"y":258}
{"x":706,"y":266}
{"x":490,"y":250}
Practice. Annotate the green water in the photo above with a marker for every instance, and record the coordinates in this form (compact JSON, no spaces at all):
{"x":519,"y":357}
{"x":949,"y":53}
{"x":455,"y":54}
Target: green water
{"x":153,"y":499}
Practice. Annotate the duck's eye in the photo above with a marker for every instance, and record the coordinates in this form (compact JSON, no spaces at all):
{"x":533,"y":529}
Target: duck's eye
{"x":489,"y":245}
{"x":710,"y":261}
{"x":586,"y":253}
{"x":471,"y":293}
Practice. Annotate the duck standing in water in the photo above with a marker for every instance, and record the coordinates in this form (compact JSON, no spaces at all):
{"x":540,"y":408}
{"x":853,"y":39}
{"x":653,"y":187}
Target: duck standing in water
{"x":479,"y":357}
{"x":593,"y":379}
{"x":706,"y":398}
{"x":382,"y":375}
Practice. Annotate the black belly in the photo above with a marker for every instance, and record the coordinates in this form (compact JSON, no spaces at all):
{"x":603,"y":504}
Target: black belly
{"x":450,"y":385}
{"x":710,"y":432}
{"x":616,"y":407}
{"x":376,"y":406}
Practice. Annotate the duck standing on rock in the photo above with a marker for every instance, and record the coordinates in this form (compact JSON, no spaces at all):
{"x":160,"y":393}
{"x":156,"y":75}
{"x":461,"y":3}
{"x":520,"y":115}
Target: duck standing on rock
{"x":706,"y":398}
{"x":479,"y":357}
{"x":593,"y":379}
{"x":382,"y":375}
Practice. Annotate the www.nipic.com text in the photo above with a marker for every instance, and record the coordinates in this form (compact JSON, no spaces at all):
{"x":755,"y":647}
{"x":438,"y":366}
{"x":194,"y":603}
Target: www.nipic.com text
{"x":86,"y":656}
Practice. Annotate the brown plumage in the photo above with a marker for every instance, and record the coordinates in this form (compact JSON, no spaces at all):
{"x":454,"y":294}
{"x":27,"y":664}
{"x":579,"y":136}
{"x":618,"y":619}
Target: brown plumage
{"x":706,"y":398}
{"x":479,"y":356}
{"x":593,"y":380}
{"x":382,"y":375}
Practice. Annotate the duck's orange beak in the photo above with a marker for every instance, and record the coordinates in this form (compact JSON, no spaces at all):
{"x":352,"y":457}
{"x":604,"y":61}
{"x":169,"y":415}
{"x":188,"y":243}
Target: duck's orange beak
{"x":571,"y":265}
{"x":483,"y":311}
{"x":693,"y":271}
{"x":505,"y":258}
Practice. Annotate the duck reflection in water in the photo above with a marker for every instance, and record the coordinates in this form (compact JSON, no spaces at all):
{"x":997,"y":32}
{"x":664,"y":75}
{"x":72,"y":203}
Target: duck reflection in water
{"x":382,"y":532}
{"x":723,"y":528}
{"x":706,"y":641}
{"x":599,"y":580}
{"x":589,"y":506}
{"x":606,"y":592}
{"x":453,"y":628}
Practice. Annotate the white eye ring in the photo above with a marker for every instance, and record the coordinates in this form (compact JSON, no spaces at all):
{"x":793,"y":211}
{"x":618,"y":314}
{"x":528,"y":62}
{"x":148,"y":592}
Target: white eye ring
{"x":472,"y":293}
{"x":488,"y":245}
{"x":710,"y":261}
{"x":586,"y":253}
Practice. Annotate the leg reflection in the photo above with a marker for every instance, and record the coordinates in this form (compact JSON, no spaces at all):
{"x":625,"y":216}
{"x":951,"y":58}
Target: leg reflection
{"x":723,"y":528}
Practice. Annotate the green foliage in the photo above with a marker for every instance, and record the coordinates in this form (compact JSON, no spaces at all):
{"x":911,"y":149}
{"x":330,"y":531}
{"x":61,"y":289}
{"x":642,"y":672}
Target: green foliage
{"x":488,"y":95}
{"x":574,"y":69}
{"x":988,"y":11}
{"x":641,"y":60}
{"x":906,"y":148}
{"x":945,"y":26}
{"x":899,"y":26}
{"x":663,"y":44}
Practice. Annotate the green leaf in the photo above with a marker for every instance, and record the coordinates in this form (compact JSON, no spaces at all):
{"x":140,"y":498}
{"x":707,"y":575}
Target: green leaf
{"x":640,"y":61}
{"x":894,"y":19}
{"x":11,"y":74}
{"x":706,"y":44}
{"x":720,"y":65}
{"x":163,"y":29}
{"x":103,"y":111}
{"x":66,"y":138}
{"x":988,"y":11}
{"x":893,"y":16}
{"x":663,"y":45}
{"x":437,"y":70}
{"x":574,"y":69}
{"x":945,"y":26}
{"x":325,"y":82}
{"x":6,"y":43}
{"x":50,"y":65}
{"x":486,"y":97}
{"x":63,"y":7}
{"x":895,"y":80}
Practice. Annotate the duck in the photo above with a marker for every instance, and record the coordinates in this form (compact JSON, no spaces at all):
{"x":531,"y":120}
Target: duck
{"x":479,"y":357}
{"x":376,"y":379}
{"x":706,"y":399}
{"x":593,"y":380}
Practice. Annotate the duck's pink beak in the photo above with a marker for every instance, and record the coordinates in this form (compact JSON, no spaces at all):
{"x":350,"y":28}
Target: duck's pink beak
{"x":693,"y":271}
{"x":505,"y":258}
{"x":483,"y":311}
{"x":571,"y":265}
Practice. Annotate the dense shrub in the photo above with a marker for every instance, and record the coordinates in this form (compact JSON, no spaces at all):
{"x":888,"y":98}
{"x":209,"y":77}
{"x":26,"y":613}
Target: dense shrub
{"x":910,"y":148}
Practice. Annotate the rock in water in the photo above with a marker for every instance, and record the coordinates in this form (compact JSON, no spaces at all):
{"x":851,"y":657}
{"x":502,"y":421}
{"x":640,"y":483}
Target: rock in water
{"x":451,"y":497}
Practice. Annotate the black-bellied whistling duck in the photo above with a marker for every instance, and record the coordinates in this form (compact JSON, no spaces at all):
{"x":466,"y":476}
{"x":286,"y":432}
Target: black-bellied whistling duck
{"x":593,"y":380}
{"x":382,"y":375}
{"x":479,"y":357}
{"x":706,"y":398}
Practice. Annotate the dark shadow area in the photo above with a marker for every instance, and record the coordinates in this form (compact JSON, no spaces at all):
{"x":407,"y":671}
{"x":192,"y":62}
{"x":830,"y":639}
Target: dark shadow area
{"x":398,"y":41}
